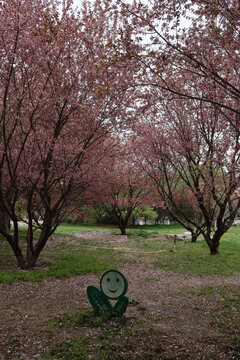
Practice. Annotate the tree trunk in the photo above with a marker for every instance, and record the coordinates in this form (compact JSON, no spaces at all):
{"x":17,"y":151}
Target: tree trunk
{"x":122,"y":224}
{"x":194,"y":237}
{"x":32,"y":252}
{"x":133,"y":220}
{"x":20,"y":261}
{"x":123,"y":229}
{"x":4,"y":220}
{"x":12,"y":240}
{"x":214,"y":250}
{"x":213,"y":245}
{"x":214,"y":241}
{"x":31,"y":261}
{"x":19,"y":256}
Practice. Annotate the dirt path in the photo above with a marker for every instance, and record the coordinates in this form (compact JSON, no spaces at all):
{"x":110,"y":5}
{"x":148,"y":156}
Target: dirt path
{"x":171,"y":321}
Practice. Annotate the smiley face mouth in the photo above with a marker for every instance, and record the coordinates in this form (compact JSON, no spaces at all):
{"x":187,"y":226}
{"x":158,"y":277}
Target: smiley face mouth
{"x":113,"y":291}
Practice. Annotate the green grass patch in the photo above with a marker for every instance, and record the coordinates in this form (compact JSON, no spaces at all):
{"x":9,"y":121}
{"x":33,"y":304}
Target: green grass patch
{"x":62,"y":266}
{"x":139,"y":233}
{"x":231,"y":298}
{"x":208,"y":290}
{"x":161,"y":228}
{"x":141,"y":308}
{"x":61,"y":258}
{"x":84,"y":318}
{"x":74,"y":349}
{"x":68,"y":228}
{"x":79,"y":264}
{"x":107,"y":345}
{"x":195,"y":258}
{"x":226,"y":317}
{"x":151,"y":245}
{"x":198,"y":263}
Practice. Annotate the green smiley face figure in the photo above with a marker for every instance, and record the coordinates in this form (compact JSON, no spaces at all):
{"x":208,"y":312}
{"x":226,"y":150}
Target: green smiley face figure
{"x":113,"y":286}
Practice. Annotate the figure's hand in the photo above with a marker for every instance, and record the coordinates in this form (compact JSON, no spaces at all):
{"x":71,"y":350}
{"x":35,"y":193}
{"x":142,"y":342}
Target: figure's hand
{"x":133,"y":302}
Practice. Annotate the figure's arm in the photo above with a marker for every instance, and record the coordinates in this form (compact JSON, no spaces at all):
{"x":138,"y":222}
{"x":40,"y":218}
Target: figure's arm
{"x":98,"y":300}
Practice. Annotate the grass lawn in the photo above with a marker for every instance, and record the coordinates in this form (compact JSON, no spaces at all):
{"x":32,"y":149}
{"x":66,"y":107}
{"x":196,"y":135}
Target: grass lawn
{"x":63,"y":257}
{"x":65,"y":228}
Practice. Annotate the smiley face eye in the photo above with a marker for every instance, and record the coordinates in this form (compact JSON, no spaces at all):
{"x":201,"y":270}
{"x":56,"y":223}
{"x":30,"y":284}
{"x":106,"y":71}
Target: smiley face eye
{"x":117,"y":280}
{"x":108,"y":279}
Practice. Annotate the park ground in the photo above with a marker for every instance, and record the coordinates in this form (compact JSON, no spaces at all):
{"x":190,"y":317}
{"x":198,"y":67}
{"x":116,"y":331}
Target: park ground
{"x":188,"y":303}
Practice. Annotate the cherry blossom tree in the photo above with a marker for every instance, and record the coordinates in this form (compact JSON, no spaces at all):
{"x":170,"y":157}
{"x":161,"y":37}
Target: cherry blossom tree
{"x":191,"y":153}
{"x":122,"y":189}
{"x":188,"y":50}
{"x":61,"y":93}
{"x":186,"y":56}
